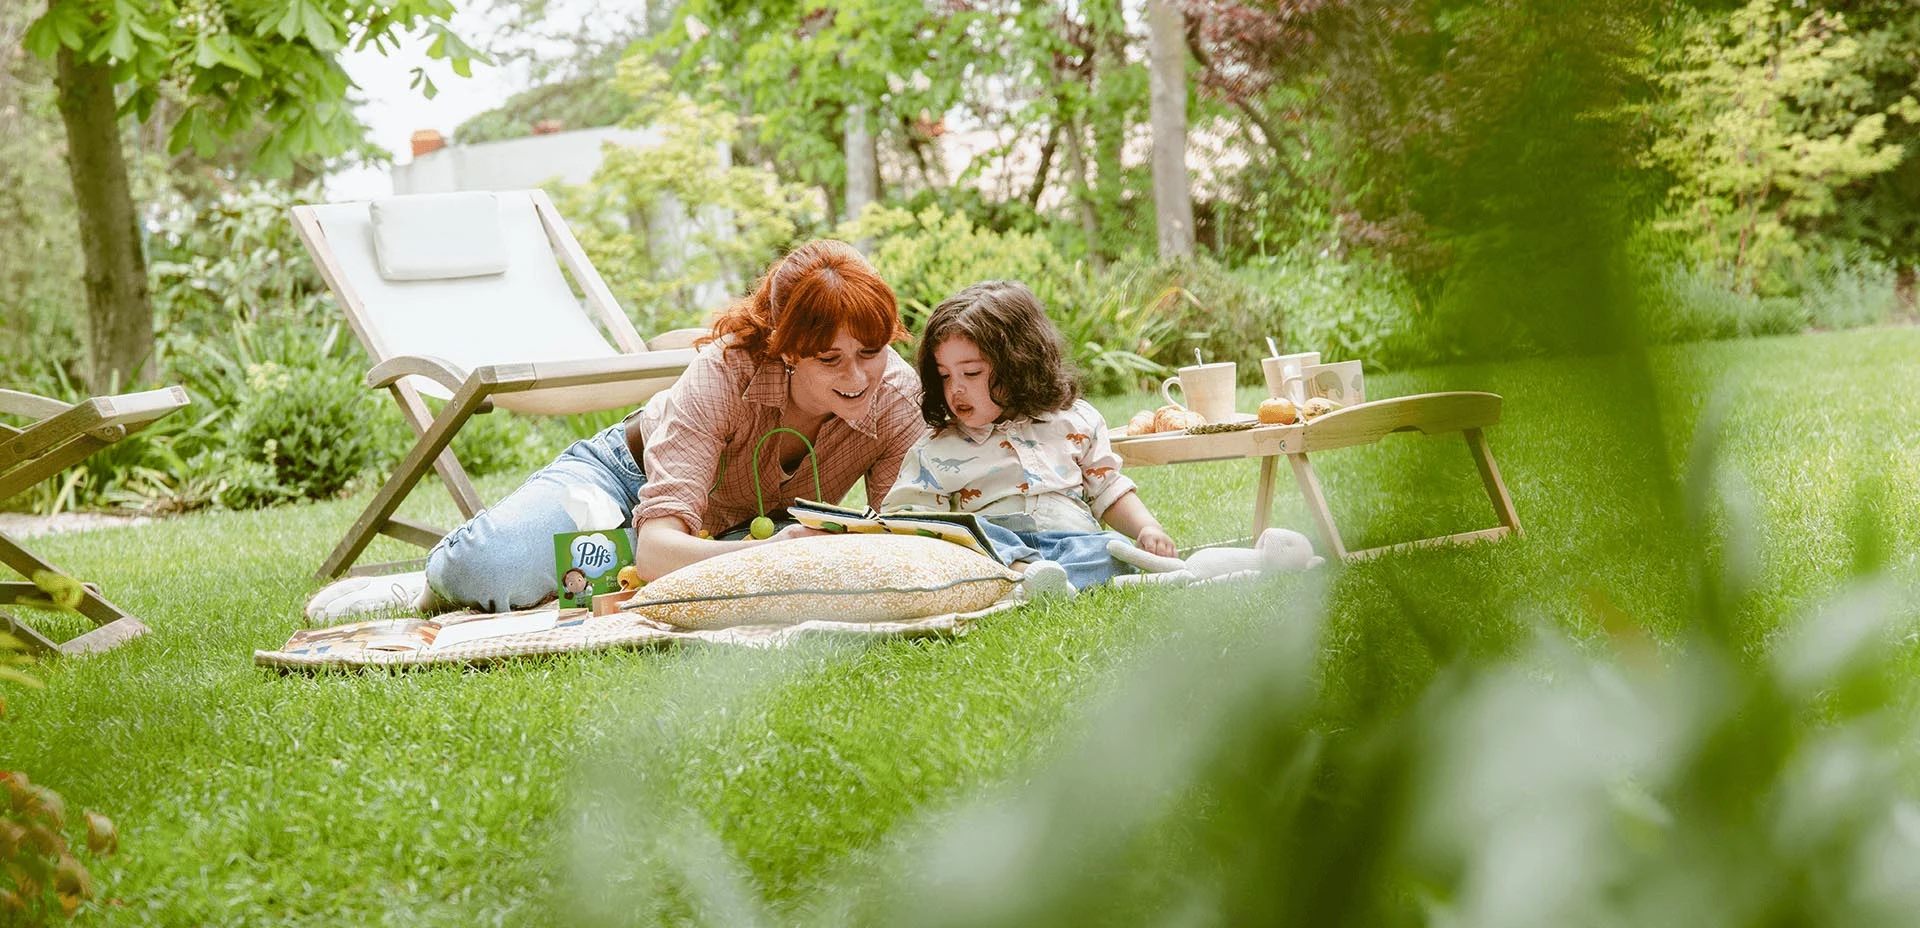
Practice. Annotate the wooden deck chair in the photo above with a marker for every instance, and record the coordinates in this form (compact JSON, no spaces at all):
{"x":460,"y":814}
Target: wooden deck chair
{"x":64,"y":435}
{"x":459,"y":297}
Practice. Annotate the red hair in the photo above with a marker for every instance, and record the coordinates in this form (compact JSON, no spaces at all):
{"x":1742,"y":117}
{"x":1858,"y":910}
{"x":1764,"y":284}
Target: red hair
{"x":802,"y":301}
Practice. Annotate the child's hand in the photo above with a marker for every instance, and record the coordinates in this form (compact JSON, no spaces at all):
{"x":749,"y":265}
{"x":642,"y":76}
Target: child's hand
{"x":1154,"y":540}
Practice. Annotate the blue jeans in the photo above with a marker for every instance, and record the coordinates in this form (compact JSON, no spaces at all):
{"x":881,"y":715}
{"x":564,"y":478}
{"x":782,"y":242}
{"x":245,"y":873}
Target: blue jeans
{"x":1083,"y":554}
{"x":503,"y":558}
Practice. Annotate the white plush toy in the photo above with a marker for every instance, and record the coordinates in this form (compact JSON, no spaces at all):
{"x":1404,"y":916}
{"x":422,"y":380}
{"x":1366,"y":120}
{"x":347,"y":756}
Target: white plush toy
{"x":1276,"y":549}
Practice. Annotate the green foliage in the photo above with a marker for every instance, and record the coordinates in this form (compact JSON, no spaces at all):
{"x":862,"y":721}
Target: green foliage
{"x":798,"y":68}
{"x":580,"y":103}
{"x":243,"y":63}
{"x":233,"y":261}
{"x":1357,"y":308}
{"x":1770,"y":115}
{"x":930,"y":255}
{"x":41,"y":875}
{"x":40,"y":270}
{"x":319,"y":428}
{"x":736,"y":218}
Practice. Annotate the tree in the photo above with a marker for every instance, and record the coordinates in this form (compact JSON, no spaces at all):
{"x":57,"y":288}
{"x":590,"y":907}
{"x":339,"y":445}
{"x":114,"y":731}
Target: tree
{"x":824,"y":83}
{"x":237,"y":65}
{"x":1172,"y":200}
{"x":1770,"y":116}
{"x":1883,"y":211}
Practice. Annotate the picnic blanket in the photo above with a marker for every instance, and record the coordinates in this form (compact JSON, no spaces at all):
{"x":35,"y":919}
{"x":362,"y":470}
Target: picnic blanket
{"x":443,"y":640}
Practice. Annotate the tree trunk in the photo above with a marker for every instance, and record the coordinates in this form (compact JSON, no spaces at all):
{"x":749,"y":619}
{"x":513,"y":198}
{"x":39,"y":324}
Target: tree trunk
{"x":1904,"y":284}
{"x":863,"y":162}
{"x":1082,"y":195}
{"x":1167,"y":89}
{"x":1108,"y":123}
{"x":119,"y":313}
{"x":1040,"y":174}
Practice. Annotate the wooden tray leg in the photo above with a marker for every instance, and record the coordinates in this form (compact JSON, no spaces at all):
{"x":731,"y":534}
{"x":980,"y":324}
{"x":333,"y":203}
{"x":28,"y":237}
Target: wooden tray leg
{"x":1490,"y":476}
{"x":1317,"y":504}
{"x":1263,"y":499}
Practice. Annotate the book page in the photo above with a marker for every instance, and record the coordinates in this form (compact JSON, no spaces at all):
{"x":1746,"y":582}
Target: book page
{"x":518,"y":623}
{"x":946,"y":531}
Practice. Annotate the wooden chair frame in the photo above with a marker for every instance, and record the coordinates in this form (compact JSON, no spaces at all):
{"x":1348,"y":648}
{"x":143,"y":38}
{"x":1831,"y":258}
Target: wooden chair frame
{"x":473,"y":391}
{"x":63,"y":436}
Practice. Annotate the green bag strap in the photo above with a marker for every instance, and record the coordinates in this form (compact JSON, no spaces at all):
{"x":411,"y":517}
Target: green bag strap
{"x":759,"y":497}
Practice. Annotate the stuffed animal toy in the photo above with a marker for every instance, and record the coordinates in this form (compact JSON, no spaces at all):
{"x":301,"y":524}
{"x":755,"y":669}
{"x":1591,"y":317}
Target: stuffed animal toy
{"x":1275,"y":550}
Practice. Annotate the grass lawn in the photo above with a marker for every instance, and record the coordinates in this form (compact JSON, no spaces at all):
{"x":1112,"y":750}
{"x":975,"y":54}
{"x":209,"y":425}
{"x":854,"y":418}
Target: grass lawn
{"x":813,"y":784}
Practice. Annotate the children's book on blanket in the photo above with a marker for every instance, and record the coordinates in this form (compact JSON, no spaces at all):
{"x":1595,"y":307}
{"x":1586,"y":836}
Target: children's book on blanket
{"x":426,"y":635}
{"x":961,"y":528}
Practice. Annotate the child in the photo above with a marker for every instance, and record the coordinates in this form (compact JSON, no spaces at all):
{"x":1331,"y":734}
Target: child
{"x":1013,"y":442}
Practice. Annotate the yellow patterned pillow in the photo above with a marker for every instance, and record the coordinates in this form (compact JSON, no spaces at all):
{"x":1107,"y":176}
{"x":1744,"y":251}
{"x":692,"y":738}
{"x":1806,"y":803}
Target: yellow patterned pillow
{"x":842,"y":578}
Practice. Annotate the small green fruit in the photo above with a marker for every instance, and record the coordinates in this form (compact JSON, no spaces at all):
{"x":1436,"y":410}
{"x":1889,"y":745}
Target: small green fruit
{"x":762,"y":528}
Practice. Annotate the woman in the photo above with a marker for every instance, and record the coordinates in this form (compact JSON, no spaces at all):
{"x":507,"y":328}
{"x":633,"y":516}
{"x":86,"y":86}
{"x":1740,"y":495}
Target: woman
{"x":806,"y":351}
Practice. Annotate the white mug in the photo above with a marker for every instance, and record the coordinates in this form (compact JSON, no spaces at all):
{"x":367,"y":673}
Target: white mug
{"x":1340,"y":381}
{"x":1208,"y":389}
{"x":1276,"y":369}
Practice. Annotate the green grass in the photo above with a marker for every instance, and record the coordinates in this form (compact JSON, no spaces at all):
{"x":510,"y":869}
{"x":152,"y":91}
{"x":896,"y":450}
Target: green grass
{"x":810,"y":784}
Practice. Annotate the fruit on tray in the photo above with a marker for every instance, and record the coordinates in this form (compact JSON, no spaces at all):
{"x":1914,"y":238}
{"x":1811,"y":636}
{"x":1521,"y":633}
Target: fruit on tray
{"x":1277,"y":410}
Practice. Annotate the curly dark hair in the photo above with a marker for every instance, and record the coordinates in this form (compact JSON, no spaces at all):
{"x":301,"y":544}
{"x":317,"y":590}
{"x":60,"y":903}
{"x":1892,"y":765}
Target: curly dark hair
{"x":1031,"y":373}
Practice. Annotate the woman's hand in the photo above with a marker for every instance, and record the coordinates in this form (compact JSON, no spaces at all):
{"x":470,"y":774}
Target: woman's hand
{"x":1154,"y":540}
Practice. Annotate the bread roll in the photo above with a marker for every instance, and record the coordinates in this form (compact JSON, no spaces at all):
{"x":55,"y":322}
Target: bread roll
{"x":1277,"y":411}
{"x":1182,"y":419}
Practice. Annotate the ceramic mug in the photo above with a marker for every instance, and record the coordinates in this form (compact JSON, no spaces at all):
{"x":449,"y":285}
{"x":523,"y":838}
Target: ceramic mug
{"x":1339,"y":381}
{"x":1208,"y":389}
{"x":1276,"y":370}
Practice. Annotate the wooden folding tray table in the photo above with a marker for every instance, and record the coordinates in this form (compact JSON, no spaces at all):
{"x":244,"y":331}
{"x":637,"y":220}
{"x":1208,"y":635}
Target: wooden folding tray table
{"x":1362,"y":424}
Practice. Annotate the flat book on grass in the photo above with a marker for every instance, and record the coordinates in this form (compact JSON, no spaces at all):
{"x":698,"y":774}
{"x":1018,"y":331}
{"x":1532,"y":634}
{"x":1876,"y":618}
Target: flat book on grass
{"x":961,"y":528}
{"x":425,"y":634}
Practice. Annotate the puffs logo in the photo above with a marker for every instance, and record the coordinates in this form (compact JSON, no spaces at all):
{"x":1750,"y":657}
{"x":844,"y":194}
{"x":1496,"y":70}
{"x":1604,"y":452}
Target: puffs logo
{"x":594,"y":555}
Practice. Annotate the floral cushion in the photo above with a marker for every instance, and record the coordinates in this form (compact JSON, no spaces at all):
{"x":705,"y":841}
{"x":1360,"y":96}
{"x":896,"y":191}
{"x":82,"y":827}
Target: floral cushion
{"x":841,"y":578}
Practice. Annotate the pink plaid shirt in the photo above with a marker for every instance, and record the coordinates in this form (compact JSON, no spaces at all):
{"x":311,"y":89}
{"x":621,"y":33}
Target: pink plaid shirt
{"x":701,"y":431}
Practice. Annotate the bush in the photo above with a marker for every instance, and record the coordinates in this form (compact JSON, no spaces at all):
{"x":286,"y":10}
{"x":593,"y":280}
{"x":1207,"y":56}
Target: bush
{"x":929,"y":255}
{"x":41,"y":875}
{"x":318,"y":428}
{"x":1682,"y":303}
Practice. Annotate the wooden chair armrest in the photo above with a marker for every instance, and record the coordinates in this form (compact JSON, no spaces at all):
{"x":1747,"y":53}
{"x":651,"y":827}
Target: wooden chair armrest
{"x":30,"y":405}
{"x":441,"y":372}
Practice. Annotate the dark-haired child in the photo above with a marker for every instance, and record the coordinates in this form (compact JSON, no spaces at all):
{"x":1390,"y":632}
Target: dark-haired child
{"x":1013,"y":442}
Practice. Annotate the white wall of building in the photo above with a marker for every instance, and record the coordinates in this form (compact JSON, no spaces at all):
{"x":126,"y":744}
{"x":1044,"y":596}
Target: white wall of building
{"x":515,"y":164}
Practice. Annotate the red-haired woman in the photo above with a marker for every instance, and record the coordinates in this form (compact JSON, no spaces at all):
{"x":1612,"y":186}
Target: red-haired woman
{"x":807,"y":351}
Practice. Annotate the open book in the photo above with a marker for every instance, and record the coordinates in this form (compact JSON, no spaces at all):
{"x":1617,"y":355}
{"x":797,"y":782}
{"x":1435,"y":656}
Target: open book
{"x":424,"y":634}
{"x":961,"y":528}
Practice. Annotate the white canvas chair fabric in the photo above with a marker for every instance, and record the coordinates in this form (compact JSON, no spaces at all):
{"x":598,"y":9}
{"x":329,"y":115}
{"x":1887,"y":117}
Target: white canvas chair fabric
{"x":516,"y":339}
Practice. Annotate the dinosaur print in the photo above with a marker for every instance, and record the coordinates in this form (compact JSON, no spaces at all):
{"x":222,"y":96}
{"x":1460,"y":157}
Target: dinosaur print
{"x":1098,"y":472}
{"x":968,"y":495}
{"x":952,"y":465}
{"x":1077,"y":437}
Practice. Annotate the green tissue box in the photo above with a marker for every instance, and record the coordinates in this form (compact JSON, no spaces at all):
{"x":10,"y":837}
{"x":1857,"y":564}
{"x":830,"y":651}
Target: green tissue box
{"x":587,"y":564}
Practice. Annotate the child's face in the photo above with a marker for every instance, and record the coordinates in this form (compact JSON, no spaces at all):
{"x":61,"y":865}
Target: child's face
{"x":966,"y":381}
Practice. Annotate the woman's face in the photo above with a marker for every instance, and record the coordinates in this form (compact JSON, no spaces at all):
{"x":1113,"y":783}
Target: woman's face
{"x":966,"y":381}
{"x":839,"y":381}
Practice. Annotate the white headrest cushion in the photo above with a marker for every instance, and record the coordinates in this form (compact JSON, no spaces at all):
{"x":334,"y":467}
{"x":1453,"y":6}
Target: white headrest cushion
{"x":438,"y":236}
